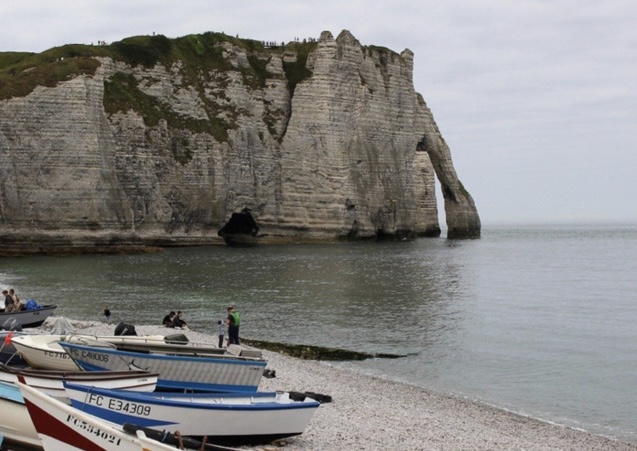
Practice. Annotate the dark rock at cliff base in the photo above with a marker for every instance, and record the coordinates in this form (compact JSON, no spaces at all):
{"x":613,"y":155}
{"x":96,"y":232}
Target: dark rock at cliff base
{"x":240,"y":230}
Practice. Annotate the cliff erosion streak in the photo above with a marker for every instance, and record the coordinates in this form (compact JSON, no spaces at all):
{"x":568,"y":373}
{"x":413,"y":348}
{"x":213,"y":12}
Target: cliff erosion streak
{"x":158,"y":141}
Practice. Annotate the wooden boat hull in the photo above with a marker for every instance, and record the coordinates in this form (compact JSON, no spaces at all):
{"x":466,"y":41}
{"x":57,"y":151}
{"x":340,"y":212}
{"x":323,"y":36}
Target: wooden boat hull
{"x":62,"y":427}
{"x":176,"y":372}
{"x":230,"y":418}
{"x":27,"y":318}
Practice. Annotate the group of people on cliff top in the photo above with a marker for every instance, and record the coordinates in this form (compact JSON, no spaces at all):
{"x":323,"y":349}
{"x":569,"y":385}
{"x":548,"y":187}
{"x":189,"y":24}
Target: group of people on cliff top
{"x":233,"y":321}
{"x":12,"y":302}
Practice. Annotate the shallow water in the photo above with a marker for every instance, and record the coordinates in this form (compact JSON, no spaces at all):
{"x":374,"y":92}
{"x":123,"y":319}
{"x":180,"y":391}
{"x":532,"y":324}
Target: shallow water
{"x":538,"y":320}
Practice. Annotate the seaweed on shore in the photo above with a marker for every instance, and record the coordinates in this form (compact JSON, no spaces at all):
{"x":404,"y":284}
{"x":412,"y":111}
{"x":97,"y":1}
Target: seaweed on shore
{"x":309,"y":352}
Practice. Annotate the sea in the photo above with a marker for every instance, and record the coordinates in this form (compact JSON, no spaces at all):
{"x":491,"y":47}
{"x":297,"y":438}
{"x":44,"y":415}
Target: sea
{"x":539,"y":320}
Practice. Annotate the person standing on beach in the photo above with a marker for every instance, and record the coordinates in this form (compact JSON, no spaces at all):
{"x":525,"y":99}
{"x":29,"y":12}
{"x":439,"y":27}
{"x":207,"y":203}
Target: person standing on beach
{"x":220,"y":328}
{"x":233,"y":322}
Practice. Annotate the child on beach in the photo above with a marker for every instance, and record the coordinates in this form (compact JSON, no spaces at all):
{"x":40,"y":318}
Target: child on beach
{"x":107,"y":314}
{"x":220,"y":332}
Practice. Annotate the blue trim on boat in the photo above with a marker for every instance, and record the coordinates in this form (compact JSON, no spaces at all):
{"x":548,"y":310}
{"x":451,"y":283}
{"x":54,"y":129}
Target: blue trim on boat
{"x":162,"y":356}
{"x":164,"y":399}
{"x":11,"y":392}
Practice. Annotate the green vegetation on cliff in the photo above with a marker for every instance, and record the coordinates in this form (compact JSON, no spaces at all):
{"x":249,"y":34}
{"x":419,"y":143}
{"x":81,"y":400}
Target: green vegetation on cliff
{"x":199,"y":55}
{"x":199,"y":58}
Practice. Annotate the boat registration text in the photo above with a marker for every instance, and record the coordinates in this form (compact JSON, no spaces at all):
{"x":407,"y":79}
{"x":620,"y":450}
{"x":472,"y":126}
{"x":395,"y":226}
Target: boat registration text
{"x":93,"y":430}
{"x":118,"y":405}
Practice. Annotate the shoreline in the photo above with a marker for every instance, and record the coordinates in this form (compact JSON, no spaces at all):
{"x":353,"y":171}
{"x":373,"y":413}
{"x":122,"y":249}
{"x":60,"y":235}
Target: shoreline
{"x":369,"y":413}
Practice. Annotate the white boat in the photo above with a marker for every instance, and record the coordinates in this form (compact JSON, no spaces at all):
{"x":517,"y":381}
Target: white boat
{"x":15,"y":423}
{"x":51,"y":382}
{"x":62,"y":427}
{"x":44,"y":351}
{"x":224,"y":418}
{"x":177,"y":370}
{"x":26,"y":318}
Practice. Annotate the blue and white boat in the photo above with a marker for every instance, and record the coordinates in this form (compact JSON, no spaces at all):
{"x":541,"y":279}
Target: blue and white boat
{"x":63,"y":427}
{"x":179,"y":370}
{"x":15,"y":422}
{"x":224,"y":418}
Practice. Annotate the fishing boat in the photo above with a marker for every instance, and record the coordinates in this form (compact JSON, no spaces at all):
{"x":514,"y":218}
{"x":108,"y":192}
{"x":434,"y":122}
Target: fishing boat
{"x":44,"y":351}
{"x":224,"y":418}
{"x":51,"y":382}
{"x":59,"y":426}
{"x":15,"y":423}
{"x":26,"y":318}
{"x":177,"y":370}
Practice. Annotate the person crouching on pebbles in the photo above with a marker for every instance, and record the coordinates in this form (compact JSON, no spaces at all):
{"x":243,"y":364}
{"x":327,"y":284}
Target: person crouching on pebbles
{"x":179,"y":322}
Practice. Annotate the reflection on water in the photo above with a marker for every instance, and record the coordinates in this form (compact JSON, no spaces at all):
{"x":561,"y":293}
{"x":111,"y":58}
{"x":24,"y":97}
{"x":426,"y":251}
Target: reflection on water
{"x":369,"y":297}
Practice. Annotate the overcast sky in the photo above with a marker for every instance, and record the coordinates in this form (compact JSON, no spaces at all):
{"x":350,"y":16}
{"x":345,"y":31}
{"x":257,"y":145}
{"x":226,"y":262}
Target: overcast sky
{"x":537,"y":99}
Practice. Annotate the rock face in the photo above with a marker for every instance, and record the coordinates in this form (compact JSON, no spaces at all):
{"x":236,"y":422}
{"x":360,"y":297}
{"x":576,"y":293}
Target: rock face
{"x":322,"y":140}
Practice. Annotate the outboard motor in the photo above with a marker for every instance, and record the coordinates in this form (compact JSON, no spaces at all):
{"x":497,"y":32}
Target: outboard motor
{"x":12,"y":324}
{"x":125,"y":329}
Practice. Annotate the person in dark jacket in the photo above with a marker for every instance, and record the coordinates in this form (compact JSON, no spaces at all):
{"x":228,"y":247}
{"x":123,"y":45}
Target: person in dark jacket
{"x":179,"y":322}
{"x":168,"y":320}
{"x":8,"y":300}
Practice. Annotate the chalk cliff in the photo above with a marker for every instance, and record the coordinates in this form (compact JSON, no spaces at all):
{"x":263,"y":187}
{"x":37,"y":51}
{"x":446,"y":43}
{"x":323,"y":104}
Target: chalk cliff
{"x":152,"y":140}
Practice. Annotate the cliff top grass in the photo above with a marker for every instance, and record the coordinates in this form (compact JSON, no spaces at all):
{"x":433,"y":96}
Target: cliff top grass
{"x":21,"y":72}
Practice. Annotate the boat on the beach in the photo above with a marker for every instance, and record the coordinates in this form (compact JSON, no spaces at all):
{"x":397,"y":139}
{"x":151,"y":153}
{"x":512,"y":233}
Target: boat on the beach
{"x":26,"y":318}
{"x":44,"y":351}
{"x":15,"y":423}
{"x":193,"y":371}
{"x":224,"y":418}
{"x":52,"y":382}
{"x":59,"y":426}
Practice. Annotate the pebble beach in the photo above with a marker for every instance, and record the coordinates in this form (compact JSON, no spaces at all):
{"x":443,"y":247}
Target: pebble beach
{"x":369,"y":413}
